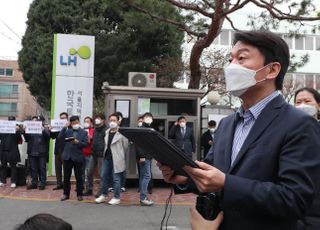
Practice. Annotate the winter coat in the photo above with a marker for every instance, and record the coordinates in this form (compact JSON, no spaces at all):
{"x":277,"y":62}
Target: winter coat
{"x":38,"y":144}
{"x":119,"y":147}
{"x":9,"y":147}
{"x":60,"y":142}
{"x":98,"y":141}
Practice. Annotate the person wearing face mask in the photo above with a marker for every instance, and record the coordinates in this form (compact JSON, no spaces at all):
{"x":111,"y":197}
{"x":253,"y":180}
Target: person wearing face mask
{"x":97,"y":149}
{"x":76,"y":139}
{"x":58,"y":149}
{"x":183,"y":136}
{"x":308,"y":100}
{"x":265,"y":161}
{"x":38,"y":152}
{"x":115,"y":148}
{"x":88,"y":181}
{"x":207,"y":137}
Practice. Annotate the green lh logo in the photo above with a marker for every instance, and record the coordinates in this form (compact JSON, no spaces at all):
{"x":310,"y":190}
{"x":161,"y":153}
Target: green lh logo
{"x":84,"y":52}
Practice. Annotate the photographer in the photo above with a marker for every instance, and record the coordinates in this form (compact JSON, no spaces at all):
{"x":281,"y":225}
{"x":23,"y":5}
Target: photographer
{"x":265,"y":159}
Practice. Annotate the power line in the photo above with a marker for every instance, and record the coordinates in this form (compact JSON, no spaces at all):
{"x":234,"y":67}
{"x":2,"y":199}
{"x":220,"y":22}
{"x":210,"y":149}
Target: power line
{"x":10,"y":38}
{"x":11,"y":29}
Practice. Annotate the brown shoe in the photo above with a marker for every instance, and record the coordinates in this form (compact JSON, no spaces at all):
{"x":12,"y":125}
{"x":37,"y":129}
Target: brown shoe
{"x":64,"y":197}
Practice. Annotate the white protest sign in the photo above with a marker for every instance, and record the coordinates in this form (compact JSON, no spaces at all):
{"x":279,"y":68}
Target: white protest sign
{"x":7,"y":126}
{"x":57,"y":125}
{"x":33,"y":127}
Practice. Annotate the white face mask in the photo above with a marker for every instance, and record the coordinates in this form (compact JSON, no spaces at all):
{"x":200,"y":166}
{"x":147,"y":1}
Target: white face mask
{"x":113,"y":125}
{"x":148,"y":120}
{"x":77,"y":126}
{"x":140,"y":124}
{"x":182,"y":124}
{"x":309,"y":109}
{"x":212,"y":130}
{"x":86,"y":125}
{"x":239,"y":79}
{"x":97,"y":121}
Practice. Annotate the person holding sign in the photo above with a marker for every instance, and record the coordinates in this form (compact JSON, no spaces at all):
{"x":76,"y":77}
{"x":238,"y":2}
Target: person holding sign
{"x":10,"y":154}
{"x":38,"y":151}
{"x":76,"y":139}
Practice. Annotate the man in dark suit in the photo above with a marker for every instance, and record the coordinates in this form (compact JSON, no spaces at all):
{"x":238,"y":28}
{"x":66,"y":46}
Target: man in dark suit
{"x":207,"y":137}
{"x":76,"y":139}
{"x":265,"y":160}
{"x":183,"y":136}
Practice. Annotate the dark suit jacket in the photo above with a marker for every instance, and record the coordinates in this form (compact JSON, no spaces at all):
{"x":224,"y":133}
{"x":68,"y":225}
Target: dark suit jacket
{"x":187,"y":141}
{"x":205,"y":138}
{"x":74,"y":151}
{"x":273,"y":179}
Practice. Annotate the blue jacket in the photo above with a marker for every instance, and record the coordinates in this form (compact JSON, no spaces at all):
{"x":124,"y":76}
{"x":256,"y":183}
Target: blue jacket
{"x":73,"y":151}
{"x":273,"y":180}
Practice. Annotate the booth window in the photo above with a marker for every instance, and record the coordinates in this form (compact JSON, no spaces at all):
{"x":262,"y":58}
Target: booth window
{"x":173,"y":107}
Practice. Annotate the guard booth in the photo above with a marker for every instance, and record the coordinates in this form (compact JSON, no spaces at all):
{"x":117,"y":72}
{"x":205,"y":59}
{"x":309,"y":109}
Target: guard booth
{"x":165,"y":104}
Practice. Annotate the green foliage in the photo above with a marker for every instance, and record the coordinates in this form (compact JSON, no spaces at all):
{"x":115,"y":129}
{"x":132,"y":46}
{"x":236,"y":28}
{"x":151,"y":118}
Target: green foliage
{"x":125,"y":40}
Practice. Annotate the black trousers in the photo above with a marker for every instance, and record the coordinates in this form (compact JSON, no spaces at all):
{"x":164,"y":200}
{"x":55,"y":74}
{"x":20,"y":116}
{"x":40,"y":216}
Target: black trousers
{"x":58,"y":162}
{"x":3,"y":171}
{"x":67,"y":168}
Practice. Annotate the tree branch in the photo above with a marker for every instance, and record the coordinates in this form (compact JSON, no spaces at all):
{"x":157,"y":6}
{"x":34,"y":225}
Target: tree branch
{"x":231,"y":23}
{"x":237,"y":6}
{"x":189,"y":6}
{"x":181,"y":26}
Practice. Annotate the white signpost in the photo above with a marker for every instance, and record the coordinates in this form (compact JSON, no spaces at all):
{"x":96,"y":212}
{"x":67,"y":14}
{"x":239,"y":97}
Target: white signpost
{"x":72,"y":77}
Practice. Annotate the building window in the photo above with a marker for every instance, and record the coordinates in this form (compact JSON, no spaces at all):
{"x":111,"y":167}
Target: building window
{"x":8,"y":90}
{"x":308,"y":43}
{"x":317,"y":43}
{"x":288,"y":40}
{"x":8,"y":109}
{"x":6,"y":72}
{"x":224,"y":37}
{"x":299,"y":43}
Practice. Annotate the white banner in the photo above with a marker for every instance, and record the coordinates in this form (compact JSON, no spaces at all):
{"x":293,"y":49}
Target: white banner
{"x":57,"y":125}
{"x":33,"y":127}
{"x":7,"y":126}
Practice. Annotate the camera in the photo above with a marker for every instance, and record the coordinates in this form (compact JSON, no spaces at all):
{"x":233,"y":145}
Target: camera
{"x":208,"y":205}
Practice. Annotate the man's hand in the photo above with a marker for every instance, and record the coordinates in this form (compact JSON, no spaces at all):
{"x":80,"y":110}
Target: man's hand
{"x":75,"y":141}
{"x":199,"y":223}
{"x":207,"y":178}
{"x":169,"y":176}
{"x":210,"y":142}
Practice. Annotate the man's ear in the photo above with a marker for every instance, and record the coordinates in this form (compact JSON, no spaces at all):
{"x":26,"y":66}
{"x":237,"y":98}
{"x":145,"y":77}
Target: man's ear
{"x":275,"y":68}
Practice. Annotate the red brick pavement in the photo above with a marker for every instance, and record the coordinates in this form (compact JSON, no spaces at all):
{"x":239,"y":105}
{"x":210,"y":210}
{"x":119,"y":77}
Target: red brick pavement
{"x":159,"y":195}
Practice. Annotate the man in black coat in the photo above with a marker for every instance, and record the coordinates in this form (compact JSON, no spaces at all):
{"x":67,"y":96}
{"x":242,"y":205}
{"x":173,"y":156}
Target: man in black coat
{"x":10,"y":154}
{"x":97,"y":149}
{"x":207,"y":137}
{"x":58,"y":149}
{"x":38,"y":153}
{"x":183,"y":135}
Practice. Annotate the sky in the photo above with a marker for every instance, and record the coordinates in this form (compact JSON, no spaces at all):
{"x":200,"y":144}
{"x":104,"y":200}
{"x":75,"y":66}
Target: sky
{"x":13,"y":17}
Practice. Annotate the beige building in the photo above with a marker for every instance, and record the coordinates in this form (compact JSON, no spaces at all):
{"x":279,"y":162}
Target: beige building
{"x":15,"y":98}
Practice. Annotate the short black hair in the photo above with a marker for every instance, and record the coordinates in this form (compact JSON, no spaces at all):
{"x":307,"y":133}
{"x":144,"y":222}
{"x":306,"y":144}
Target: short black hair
{"x":114,"y":115}
{"x":44,"y":221}
{"x":101,"y":116}
{"x":87,"y":117}
{"x":271,"y":46}
{"x":74,"y":118}
{"x":147,"y":114}
{"x":38,"y":118}
{"x":212,"y":123}
{"x":140,"y":117}
{"x":11,"y":118}
{"x":119,"y":114}
{"x":64,"y":113}
{"x":181,"y":117}
{"x":314,"y":92}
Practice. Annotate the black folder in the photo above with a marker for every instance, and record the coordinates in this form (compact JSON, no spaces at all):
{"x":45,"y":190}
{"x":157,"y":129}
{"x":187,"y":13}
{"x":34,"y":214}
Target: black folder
{"x":159,"y":148}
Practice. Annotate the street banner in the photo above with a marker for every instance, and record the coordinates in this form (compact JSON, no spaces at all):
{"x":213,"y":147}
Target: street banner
{"x":57,"y":125}
{"x":7,"y":126}
{"x":72,"y":78}
{"x":33,"y":127}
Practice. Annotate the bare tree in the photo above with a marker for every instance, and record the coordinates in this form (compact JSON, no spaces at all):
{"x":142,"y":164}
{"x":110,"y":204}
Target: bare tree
{"x":203,"y":19}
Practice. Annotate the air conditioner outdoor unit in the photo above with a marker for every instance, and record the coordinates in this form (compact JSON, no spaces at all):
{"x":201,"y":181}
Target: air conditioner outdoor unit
{"x":138,"y":79}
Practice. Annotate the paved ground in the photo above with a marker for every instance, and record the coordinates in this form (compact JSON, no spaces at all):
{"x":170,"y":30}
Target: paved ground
{"x":18,"y":204}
